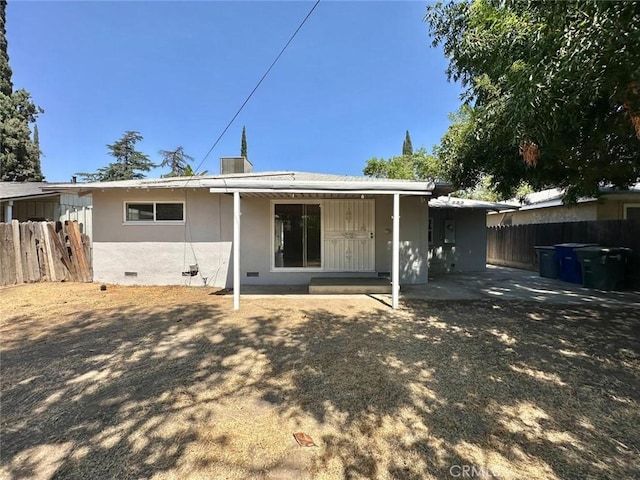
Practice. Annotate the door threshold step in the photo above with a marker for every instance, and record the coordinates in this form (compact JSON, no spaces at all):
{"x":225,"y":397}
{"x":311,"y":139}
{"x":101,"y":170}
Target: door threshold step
{"x":349,"y":285}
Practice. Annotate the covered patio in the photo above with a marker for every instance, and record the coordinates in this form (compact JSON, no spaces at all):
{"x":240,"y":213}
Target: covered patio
{"x":318,"y":188}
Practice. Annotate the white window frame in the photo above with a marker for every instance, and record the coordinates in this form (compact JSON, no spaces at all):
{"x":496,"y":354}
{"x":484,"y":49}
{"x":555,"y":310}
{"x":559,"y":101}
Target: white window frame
{"x":273,"y":267}
{"x":629,"y":205}
{"x":154,"y":221}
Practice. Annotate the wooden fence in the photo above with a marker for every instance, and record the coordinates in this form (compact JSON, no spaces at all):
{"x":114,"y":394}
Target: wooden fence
{"x":43,"y":252}
{"x":513,"y":245}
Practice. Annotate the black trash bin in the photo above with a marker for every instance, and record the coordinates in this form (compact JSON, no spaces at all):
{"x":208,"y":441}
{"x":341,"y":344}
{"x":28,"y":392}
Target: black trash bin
{"x":548,"y":261}
{"x":570,"y":270}
{"x":604,"y":268}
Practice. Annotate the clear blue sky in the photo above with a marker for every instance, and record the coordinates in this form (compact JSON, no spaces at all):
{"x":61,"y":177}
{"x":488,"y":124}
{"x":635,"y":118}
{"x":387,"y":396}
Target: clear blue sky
{"x":354,"y":79}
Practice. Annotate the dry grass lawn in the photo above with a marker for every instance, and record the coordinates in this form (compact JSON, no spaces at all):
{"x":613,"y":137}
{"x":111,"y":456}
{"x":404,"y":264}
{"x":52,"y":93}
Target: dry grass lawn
{"x":171,"y":383}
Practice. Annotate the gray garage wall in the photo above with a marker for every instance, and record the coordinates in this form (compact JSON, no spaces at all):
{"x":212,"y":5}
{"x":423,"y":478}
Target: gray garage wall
{"x":469,"y":251}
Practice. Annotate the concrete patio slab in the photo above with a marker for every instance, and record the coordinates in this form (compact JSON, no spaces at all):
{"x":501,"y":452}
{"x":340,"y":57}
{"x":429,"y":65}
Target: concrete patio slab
{"x":513,"y":284}
{"x":498,"y":283}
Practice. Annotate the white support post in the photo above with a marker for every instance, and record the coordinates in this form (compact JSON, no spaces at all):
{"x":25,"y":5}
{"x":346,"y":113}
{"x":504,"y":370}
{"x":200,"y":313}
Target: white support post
{"x":395,"y":249}
{"x":236,"y":250}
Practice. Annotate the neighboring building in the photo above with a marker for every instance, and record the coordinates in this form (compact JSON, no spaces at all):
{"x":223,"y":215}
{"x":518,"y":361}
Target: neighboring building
{"x":293,"y":226}
{"x":29,"y":201}
{"x":547,"y":207}
{"x":458,"y":234}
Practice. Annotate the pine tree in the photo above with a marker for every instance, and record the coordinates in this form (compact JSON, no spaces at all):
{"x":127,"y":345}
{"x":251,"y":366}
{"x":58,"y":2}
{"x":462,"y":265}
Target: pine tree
{"x":36,"y":136}
{"x":243,"y":145}
{"x":36,"y":147}
{"x":407,"y":147}
{"x":6,"y":87}
{"x":177,"y":161}
{"x":129,"y":162}
{"x":19,"y":156}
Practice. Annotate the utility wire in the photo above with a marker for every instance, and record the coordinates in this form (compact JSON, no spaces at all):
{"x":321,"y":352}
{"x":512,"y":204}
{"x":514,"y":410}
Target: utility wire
{"x":227,"y":128}
{"x":258,"y":85}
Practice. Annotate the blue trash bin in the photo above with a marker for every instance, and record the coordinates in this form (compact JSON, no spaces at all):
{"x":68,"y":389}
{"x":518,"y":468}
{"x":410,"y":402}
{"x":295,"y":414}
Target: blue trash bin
{"x":570,"y":269}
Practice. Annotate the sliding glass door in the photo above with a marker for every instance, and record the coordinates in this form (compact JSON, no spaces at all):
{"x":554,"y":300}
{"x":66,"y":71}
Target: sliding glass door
{"x":297,"y":241}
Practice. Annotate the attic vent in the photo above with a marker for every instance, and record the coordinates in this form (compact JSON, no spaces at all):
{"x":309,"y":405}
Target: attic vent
{"x":235,"y":165}
{"x":130,"y":274}
{"x":253,"y":274}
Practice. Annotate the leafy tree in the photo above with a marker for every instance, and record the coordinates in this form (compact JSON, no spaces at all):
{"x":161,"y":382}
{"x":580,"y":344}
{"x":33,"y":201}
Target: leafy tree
{"x":243,"y":144}
{"x":189,"y":172}
{"x":19,"y":155}
{"x":418,"y":166}
{"x":407,"y":148}
{"x":177,"y":161}
{"x":129,"y":162}
{"x":551,"y":92}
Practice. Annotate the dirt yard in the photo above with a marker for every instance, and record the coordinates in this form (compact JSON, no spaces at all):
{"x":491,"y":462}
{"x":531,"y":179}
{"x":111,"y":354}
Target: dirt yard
{"x":169,"y":383}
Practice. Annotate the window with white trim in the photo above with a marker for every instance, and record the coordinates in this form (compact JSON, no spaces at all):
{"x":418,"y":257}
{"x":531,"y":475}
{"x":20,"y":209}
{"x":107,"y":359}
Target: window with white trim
{"x":149,"y":212}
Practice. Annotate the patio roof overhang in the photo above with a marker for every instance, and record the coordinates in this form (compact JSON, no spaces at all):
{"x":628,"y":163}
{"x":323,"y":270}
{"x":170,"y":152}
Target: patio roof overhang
{"x":285,"y":188}
{"x":250,"y":186}
{"x":388,"y":187}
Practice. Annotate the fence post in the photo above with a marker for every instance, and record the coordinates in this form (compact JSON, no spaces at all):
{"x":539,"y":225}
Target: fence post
{"x":15,"y":226}
{"x":47,"y":245}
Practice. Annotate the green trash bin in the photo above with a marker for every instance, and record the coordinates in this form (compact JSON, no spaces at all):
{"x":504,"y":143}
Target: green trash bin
{"x":548,"y":261}
{"x":603,"y":268}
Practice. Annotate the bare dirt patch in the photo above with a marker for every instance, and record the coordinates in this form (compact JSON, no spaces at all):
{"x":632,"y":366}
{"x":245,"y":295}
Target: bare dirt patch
{"x":169,"y":382}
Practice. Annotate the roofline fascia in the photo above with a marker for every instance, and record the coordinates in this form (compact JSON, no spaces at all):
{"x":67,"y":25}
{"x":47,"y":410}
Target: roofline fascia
{"x":321,"y":185}
{"x":318,"y":191}
{"x":30,"y":197}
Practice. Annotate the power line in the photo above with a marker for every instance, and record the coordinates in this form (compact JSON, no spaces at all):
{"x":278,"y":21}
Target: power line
{"x":227,"y":128}
{"x":258,"y":85}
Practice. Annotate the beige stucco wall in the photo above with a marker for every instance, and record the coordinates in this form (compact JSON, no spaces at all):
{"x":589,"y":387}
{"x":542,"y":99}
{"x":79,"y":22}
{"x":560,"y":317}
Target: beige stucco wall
{"x":158,"y":253}
{"x":612,"y":207}
{"x":608,"y":207}
{"x":205,"y":213}
{"x":571,"y":213}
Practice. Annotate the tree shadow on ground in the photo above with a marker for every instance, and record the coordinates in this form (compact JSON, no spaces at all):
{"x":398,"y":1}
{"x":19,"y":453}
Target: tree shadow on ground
{"x":513,"y":389}
{"x":102,"y":385}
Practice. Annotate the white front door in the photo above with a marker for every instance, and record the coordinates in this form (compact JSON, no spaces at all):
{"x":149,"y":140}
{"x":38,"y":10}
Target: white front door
{"x":349,"y":235}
